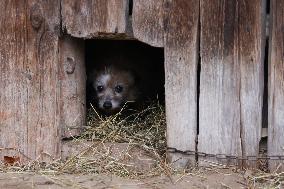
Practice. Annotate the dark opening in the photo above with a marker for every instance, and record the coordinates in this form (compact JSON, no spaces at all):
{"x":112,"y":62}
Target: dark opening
{"x":265,"y":89}
{"x":263,"y":142}
{"x":268,"y":6}
{"x":198,"y":86}
{"x":266,"y":60}
{"x":130,"y":7}
{"x":144,"y":62}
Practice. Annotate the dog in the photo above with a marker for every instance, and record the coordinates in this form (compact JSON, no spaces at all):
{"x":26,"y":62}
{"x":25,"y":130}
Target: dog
{"x":114,"y":88}
{"x":123,"y":73}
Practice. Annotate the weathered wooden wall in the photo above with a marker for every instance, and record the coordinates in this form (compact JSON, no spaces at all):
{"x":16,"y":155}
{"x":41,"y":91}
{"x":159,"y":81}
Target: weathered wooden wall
{"x":42,"y":78}
{"x":276,"y":84}
{"x":147,"y":22}
{"x":29,"y":119}
{"x":181,"y":57}
{"x":93,"y":18}
{"x":111,"y":19}
{"x":72,"y":86}
{"x":231,"y":78}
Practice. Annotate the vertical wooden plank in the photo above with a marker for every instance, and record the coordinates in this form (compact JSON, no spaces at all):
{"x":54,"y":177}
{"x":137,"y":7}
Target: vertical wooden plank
{"x":181,"y":45}
{"x":12,"y":77}
{"x":72,"y":86}
{"x":231,"y":78}
{"x":147,"y":22}
{"x":219,"y":121}
{"x":29,"y":80}
{"x":92,"y":18}
{"x":252,"y":35}
{"x":276,"y":85}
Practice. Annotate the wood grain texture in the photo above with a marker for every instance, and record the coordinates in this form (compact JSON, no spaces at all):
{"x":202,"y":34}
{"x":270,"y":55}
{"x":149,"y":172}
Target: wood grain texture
{"x":252,"y":21}
{"x":181,"y":45}
{"x":276,"y":84}
{"x":72,"y":86}
{"x":231,"y":78}
{"x":29,"y":120}
{"x":147,"y":22}
{"x":92,"y":18}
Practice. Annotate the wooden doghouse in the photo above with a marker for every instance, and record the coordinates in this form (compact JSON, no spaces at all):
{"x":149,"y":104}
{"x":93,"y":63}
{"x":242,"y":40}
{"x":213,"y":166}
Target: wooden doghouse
{"x":214,"y":72}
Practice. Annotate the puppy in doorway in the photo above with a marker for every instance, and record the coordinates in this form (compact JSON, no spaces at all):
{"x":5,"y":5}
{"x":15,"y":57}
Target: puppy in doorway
{"x":123,"y":73}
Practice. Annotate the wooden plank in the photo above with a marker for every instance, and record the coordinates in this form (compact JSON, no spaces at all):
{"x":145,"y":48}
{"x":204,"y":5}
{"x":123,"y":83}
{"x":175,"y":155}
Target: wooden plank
{"x":181,"y":45}
{"x":276,"y":85}
{"x":231,"y":78}
{"x":219,"y":121}
{"x":147,"y":22}
{"x":29,"y":110}
{"x":94,"y":18}
{"x":252,"y":21}
{"x":72,"y":86}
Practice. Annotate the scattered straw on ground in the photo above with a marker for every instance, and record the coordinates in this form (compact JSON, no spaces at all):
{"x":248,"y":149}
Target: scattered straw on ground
{"x":140,"y":155}
{"x":142,"y":131}
{"x":139,"y":131}
{"x":269,"y":180}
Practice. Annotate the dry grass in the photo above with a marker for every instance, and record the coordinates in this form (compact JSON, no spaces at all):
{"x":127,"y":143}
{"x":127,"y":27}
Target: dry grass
{"x":140,"y":154}
{"x":146,"y":128}
{"x":142,"y":131}
{"x":273,"y":180}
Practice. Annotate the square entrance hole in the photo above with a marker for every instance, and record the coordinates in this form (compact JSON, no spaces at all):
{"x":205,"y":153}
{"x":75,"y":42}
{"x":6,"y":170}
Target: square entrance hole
{"x":125,"y":74}
{"x":136,"y":135}
{"x":128,"y":142}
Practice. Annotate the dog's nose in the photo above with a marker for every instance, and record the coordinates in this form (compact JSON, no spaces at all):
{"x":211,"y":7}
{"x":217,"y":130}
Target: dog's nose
{"x":107,"y":105}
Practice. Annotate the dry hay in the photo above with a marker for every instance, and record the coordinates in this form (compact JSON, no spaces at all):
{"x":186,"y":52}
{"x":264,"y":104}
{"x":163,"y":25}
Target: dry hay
{"x":272,"y":180}
{"x":140,"y":135}
{"x":145,"y":128}
{"x":118,"y":141}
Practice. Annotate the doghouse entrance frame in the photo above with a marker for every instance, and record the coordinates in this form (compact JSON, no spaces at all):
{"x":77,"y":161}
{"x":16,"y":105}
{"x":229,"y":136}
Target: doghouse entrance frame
{"x":181,"y":56}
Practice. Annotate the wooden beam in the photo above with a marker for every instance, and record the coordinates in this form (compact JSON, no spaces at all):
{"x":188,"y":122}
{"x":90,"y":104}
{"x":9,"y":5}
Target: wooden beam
{"x":276,"y":85}
{"x":72,"y":86}
{"x":29,"y":108}
{"x":181,"y":56}
{"x":147,"y":22}
{"x":94,"y":18}
{"x":231,"y":78}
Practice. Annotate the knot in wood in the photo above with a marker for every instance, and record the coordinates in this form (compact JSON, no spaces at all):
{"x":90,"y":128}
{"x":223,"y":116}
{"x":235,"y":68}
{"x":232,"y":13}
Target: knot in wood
{"x":36,"y":16}
{"x":69,"y":66}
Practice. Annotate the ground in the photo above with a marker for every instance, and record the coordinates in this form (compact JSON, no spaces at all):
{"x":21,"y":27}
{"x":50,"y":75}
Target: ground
{"x":217,"y":178}
{"x":92,"y":165}
{"x":30,"y":180}
{"x":97,"y":164}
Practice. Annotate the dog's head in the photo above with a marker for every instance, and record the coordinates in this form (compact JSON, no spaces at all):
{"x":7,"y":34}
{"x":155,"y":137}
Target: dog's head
{"x":114,"y":87}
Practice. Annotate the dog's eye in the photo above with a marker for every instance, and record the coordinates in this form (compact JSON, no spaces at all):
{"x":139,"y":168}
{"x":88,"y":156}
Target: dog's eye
{"x":118,"y":89}
{"x":100,"y":88}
